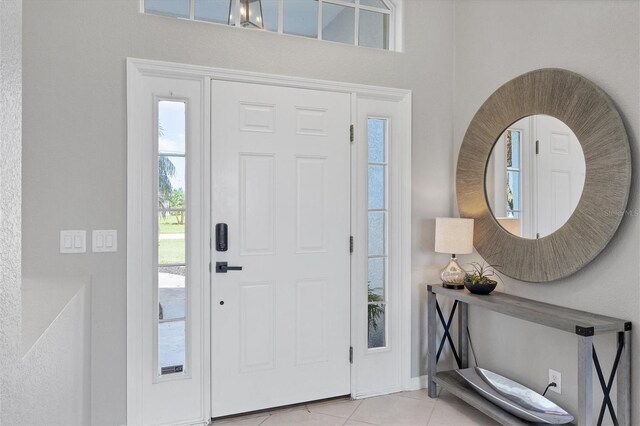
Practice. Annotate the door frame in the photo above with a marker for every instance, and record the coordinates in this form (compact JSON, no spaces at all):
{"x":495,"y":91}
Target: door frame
{"x":137,"y":71}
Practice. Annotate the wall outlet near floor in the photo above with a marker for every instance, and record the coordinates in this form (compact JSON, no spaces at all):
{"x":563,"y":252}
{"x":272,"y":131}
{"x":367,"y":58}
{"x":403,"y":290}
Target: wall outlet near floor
{"x":556,"y":378}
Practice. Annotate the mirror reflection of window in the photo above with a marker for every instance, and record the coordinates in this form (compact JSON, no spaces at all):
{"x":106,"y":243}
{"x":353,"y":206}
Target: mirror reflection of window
{"x":513,"y":173}
{"x":535,"y":176}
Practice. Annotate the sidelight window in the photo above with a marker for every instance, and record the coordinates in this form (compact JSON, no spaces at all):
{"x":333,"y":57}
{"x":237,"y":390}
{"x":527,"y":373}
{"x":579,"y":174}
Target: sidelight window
{"x":377,"y":232}
{"x":513,"y":188}
{"x":171,"y":234}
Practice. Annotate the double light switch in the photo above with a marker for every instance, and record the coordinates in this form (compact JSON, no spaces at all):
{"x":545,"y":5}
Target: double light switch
{"x":76,"y":241}
{"x":105,"y":241}
{"x":73,"y":241}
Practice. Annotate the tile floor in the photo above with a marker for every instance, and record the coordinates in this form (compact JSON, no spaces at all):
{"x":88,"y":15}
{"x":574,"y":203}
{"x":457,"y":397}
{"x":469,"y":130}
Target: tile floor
{"x":404,"y":408}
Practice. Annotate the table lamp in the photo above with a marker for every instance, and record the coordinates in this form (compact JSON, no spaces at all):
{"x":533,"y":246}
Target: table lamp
{"x":453,"y":235}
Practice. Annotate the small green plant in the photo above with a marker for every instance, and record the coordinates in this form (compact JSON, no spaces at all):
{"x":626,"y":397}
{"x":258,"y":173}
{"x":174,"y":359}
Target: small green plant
{"x":481,"y":273}
{"x":376,"y":312}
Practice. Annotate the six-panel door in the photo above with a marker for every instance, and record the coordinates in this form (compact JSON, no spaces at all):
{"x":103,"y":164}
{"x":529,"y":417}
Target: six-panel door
{"x":281,"y":182}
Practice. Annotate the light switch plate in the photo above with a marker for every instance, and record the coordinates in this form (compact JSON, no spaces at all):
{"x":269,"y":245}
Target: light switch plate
{"x":103,"y":241}
{"x":73,"y":241}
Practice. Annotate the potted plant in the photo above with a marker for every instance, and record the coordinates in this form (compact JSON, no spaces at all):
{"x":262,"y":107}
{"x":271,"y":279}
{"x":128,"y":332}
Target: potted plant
{"x":479,"y":280}
{"x":376,"y":312}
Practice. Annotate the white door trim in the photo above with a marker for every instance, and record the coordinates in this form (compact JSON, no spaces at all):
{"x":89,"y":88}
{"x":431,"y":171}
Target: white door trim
{"x":140,"y":237}
{"x":137,"y":68}
{"x":382,"y":370}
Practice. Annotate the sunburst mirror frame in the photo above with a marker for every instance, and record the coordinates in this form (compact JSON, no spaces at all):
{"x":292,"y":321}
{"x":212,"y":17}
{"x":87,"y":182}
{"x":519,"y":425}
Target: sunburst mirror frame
{"x":596,"y":122}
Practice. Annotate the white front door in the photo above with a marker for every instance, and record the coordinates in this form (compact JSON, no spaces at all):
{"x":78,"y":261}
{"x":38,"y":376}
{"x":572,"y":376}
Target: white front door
{"x":281,"y":184}
{"x":561,"y":173}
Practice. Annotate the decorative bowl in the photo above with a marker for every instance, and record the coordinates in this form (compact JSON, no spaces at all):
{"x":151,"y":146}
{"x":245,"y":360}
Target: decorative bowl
{"x":484,"y":288}
{"x":515,"y":398}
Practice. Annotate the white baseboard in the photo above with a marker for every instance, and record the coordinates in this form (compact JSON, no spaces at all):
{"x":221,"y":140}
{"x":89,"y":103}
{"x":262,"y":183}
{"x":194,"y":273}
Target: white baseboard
{"x":414,"y":383}
{"x":420,"y":382}
{"x":377,"y":392}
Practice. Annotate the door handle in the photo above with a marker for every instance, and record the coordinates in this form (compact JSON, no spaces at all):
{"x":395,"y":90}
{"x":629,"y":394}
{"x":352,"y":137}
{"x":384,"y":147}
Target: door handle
{"x":223,"y":267}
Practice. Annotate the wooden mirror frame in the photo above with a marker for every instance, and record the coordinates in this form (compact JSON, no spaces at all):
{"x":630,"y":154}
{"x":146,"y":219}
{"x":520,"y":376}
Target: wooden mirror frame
{"x":594,"y":119}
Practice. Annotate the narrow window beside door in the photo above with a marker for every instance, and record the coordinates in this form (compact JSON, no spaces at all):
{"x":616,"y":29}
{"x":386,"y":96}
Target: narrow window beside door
{"x":377,"y":232}
{"x":171,"y":237}
{"x":513,"y":173}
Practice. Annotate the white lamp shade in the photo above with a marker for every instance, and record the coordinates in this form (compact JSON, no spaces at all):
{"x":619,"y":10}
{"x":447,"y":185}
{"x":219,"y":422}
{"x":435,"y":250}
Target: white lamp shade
{"x":454,"y":235}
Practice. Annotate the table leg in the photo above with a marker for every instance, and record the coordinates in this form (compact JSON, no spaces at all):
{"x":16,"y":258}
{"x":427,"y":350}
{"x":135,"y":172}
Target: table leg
{"x":431,"y":343}
{"x":623,"y":411}
{"x":463,"y":339}
{"x":585,"y":381}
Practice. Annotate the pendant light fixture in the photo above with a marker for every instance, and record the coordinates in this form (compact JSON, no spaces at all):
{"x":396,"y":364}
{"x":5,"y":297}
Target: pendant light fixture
{"x":250,"y":13}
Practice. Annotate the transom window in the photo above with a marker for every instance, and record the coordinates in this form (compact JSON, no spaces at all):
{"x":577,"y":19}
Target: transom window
{"x":367,"y":23}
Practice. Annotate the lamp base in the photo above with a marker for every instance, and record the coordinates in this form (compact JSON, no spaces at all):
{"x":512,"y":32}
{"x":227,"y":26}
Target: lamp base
{"x":452,"y":275}
{"x":453,"y":286}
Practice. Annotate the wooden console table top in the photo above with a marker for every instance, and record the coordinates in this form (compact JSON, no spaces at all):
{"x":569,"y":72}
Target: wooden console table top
{"x":558,"y":317}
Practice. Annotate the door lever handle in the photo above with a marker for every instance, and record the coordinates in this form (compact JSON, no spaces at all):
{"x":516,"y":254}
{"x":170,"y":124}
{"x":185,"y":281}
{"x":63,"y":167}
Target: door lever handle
{"x":223,"y":267}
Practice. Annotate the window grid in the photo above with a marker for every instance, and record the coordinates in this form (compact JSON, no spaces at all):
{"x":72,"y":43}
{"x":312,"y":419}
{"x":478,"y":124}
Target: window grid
{"x":512,"y":146}
{"x":171,"y":261}
{"x":387,"y":14}
{"x":377,"y":303}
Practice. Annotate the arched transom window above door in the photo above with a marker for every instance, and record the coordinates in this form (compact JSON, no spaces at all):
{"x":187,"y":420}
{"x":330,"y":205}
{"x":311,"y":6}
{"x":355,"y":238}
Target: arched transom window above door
{"x":366,"y":23}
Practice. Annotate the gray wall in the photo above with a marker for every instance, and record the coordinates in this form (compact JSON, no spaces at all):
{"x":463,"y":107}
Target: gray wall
{"x":496,"y":41}
{"x":75,"y":144}
{"x":75,"y":135}
{"x":54,"y":370}
{"x":10,"y":193}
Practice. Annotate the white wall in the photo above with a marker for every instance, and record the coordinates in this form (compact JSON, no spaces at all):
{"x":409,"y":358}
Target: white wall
{"x":51,"y":382}
{"x":496,"y":41}
{"x":75,"y":136}
{"x":10,"y":185}
{"x":75,"y":144}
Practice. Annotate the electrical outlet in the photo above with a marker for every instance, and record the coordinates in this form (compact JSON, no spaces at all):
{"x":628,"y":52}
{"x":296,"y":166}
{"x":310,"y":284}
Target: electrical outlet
{"x":556,"y":378}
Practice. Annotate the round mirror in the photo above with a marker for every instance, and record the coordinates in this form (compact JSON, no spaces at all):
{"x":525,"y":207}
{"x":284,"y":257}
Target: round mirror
{"x":601,"y":201}
{"x":535,"y":176}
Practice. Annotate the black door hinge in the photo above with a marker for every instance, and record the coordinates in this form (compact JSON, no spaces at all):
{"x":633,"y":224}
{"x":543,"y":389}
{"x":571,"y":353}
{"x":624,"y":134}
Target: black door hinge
{"x":350,"y":354}
{"x":351,"y":244}
{"x":351,"y":136}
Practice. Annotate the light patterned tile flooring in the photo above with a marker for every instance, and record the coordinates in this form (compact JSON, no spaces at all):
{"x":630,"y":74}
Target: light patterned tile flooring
{"x":404,"y":408}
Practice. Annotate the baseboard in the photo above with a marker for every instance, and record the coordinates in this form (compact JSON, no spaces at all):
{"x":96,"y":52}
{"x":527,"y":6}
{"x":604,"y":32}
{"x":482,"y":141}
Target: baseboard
{"x":378,"y":392}
{"x":420,"y":382}
{"x":414,"y":383}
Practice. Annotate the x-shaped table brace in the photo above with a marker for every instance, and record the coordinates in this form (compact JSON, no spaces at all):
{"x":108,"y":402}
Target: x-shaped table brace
{"x":606,"y":387}
{"x":587,"y":362}
{"x":447,"y":336}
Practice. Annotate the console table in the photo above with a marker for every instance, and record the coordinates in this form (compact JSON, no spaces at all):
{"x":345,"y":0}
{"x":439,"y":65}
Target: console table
{"x":584,"y":325}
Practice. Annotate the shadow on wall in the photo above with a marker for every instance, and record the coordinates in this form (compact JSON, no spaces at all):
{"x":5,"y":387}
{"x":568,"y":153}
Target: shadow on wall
{"x":51,"y":382}
{"x":428,"y":235}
